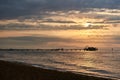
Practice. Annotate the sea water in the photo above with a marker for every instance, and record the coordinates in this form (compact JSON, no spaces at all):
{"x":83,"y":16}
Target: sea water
{"x":96,"y":63}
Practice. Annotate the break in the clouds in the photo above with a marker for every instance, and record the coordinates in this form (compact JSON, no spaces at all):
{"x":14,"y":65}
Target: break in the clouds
{"x":16,"y":8}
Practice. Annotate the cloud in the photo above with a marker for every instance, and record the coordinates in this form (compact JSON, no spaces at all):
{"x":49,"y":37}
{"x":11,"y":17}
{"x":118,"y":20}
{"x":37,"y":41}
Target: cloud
{"x":43,"y":41}
{"x":64,"y":20}
{"x":58,"y":21}
{"x":16,"y":8}
{"x":117,"y":39}
{"x":13,"y":26}
{"x":32,"y":42}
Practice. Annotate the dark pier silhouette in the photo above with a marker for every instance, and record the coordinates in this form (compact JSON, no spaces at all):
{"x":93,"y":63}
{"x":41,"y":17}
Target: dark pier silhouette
{"x":53,"y":50}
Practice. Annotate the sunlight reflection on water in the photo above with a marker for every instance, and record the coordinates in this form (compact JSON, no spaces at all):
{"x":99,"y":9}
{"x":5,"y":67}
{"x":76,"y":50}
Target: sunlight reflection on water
{"x":97,"y":63}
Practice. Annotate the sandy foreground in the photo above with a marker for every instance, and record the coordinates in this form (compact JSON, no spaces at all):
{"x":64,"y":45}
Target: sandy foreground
{"x":20,"y":71}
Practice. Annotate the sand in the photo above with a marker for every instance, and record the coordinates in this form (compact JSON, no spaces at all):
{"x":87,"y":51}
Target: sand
{"x":20,"y":71}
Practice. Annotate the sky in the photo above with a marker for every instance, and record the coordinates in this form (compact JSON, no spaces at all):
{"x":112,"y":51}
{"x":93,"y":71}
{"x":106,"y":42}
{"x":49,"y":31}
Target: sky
{"x":59,"y":23}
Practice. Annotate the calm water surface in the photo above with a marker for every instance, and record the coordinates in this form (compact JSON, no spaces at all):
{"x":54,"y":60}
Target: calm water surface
{"x":98,"y":63}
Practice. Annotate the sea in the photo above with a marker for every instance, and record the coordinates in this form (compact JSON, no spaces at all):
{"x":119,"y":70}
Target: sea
{"x":102,"y":63}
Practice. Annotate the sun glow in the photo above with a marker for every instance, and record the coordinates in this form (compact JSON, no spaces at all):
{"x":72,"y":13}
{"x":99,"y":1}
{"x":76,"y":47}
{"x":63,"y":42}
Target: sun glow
{"x":87,"y":24}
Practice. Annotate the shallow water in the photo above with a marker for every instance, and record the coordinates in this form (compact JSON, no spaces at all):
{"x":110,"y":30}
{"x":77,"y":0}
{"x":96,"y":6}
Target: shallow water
{"x":97,"y":63}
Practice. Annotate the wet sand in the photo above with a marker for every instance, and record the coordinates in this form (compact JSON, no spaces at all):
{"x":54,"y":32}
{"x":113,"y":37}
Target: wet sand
{"x":20,"y":71}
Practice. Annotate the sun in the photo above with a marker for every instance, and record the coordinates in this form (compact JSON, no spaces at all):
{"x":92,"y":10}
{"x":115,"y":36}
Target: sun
{"x":87,"y":24}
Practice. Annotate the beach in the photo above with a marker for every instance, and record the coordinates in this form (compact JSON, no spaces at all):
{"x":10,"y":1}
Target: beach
{"x":21,"y":71}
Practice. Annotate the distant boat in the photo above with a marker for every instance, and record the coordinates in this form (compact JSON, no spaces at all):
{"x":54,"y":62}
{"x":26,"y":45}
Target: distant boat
{"x":90,"y":49}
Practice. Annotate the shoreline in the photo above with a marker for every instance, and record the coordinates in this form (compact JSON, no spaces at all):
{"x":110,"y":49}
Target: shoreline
{"x":21,"y":71}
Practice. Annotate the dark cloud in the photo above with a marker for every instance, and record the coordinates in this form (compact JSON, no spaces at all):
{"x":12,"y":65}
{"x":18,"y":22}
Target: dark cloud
{"x":15,"y":26}
{"x":16,"y":8}
{"x":56,"y":21}
{"x":114,"y":18}
{"x":33,"y":39}
{"x":117,"y":38}
{"x":54,"y":42}
{"x":30,"y":42}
